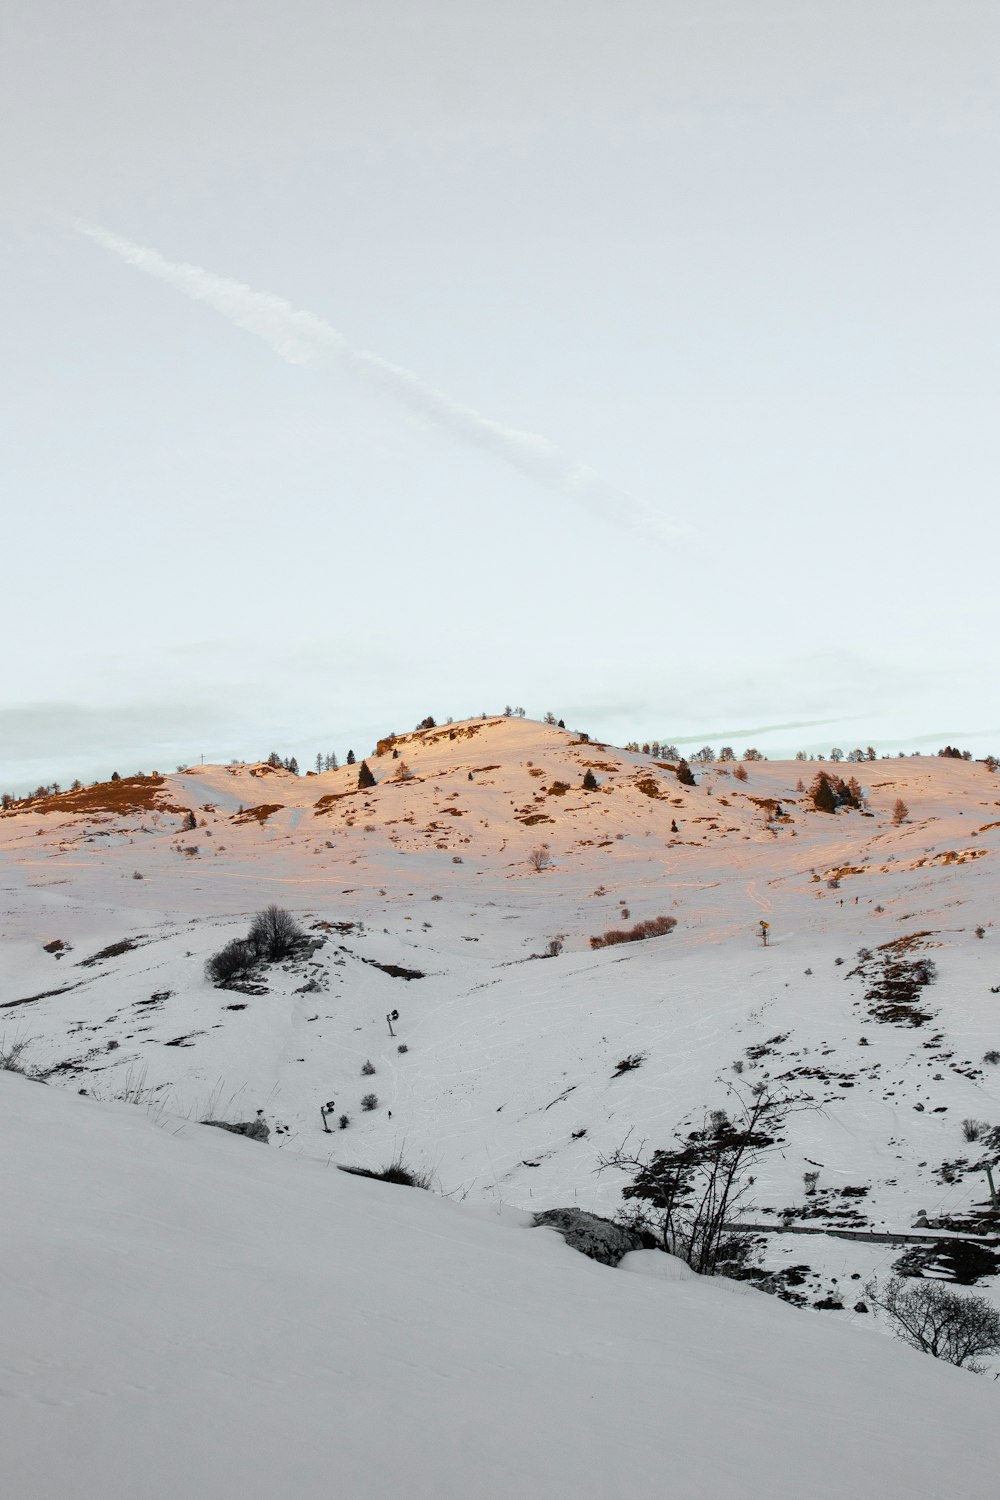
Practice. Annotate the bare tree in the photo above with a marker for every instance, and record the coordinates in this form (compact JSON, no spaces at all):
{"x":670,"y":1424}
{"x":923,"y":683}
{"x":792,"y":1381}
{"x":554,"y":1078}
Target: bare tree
{"x":274,"y":934}
{"x":900,"y":812}
{"x":539,"y":859}
{"x":929,"y":1315}
{"x":688,"y":1194}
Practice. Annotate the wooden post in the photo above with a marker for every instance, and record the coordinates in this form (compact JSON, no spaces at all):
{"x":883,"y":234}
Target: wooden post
{"x":993,"y":1191}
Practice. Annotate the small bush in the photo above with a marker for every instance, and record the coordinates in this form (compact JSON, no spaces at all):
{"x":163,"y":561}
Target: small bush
{"x":370,"y":1102}
{"x":656,"y":927}
{"x":980,"y":932}
{"x":992,"y":1056}
{"x":344,"y":1121}
{"x":539,"y":859}
{"x":367,"y":1068}
{"x":234,"y":961}
{"x":553,"y":947}
{"x":973,"y":1129}
{"x":629,"y":1064}
{"x":138,"y":875}
{"x":404,"y":1048}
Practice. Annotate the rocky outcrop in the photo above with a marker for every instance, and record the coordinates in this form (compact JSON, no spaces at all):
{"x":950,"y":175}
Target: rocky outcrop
{"x":590,"y":1234}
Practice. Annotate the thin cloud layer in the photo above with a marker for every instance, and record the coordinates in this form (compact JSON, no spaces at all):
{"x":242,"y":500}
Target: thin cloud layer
{"x":301,"y":338}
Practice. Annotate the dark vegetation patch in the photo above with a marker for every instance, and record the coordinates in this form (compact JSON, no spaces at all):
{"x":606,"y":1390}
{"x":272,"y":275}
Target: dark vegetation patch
{"x":395,"y":971}
{"x":42,"y":995}
{"x":325,"y":803}
{"x":629,"y":1064}
{"x":258,"y":814}
{"x":649,"y":786}
{"x":254,"y":1130}
{"x":962,"y":1261}
{"x":894,"y":977}
{"x":762,"y":1049}
{"x":532,"y":818}
{"x":114,"y":950}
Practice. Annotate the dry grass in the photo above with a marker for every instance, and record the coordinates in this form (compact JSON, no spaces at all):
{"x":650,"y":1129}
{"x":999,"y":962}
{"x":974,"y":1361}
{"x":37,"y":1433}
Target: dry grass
{"x":259,"y":814}
{"x":130,"y":794}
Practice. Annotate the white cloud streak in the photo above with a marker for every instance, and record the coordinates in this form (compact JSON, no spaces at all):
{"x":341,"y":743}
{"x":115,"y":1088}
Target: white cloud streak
{"x":301,"y":338}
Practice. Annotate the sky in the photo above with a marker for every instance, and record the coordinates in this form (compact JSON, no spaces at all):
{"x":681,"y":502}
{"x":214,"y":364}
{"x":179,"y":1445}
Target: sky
{"x":636,"y":362}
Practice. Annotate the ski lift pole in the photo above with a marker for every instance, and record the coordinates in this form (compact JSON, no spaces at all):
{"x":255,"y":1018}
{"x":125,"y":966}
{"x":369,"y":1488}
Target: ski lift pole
{"x":993,"y":1192}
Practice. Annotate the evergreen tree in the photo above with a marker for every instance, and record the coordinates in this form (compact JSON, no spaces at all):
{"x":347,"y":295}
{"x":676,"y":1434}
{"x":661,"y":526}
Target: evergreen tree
{"x":685,"y":775}
{"x":365,"y":777}
{"x":350,"y":757}
{"x":823,"y":794}
{"x":589,"y":782}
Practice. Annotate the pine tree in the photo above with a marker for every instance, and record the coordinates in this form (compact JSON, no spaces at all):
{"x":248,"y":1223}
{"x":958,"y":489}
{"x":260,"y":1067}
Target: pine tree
{"x":822,"y":792}
{"x":685,"y":775}
{"x":589,"y":782}
{"x":350,"y":757}
{"x":365,"y":777}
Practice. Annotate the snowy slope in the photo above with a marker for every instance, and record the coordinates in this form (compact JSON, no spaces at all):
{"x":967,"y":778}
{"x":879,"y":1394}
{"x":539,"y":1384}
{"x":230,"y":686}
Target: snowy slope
{"x":189,"y":1313}
{"x":506,"y":1090}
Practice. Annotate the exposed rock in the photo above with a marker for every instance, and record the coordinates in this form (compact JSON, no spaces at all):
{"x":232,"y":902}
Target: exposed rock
{"x":255,"y":1129}
{"x":590,"y":1234}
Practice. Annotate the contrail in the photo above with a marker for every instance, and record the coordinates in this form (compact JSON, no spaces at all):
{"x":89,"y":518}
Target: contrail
{"x":303,"y":339}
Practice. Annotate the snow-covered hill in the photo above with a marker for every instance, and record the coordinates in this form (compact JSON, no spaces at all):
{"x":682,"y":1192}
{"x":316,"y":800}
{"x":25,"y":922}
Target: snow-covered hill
{"x":507,"y":1088}
{"x":186,"y":1313}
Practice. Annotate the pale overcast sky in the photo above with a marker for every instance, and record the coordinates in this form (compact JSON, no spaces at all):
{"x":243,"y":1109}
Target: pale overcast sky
{"x":650,"y":373}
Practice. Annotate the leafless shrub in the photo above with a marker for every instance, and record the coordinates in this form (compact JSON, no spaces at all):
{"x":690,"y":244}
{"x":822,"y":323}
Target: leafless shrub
{"x":973,"y":1129}
{"x":274,"y":934}
{"x":655,"y":927}
{"x":954,"y":1326}
{"x":900,"y":812}
{"x":234,"y":961}
{"x":539,"y":859}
